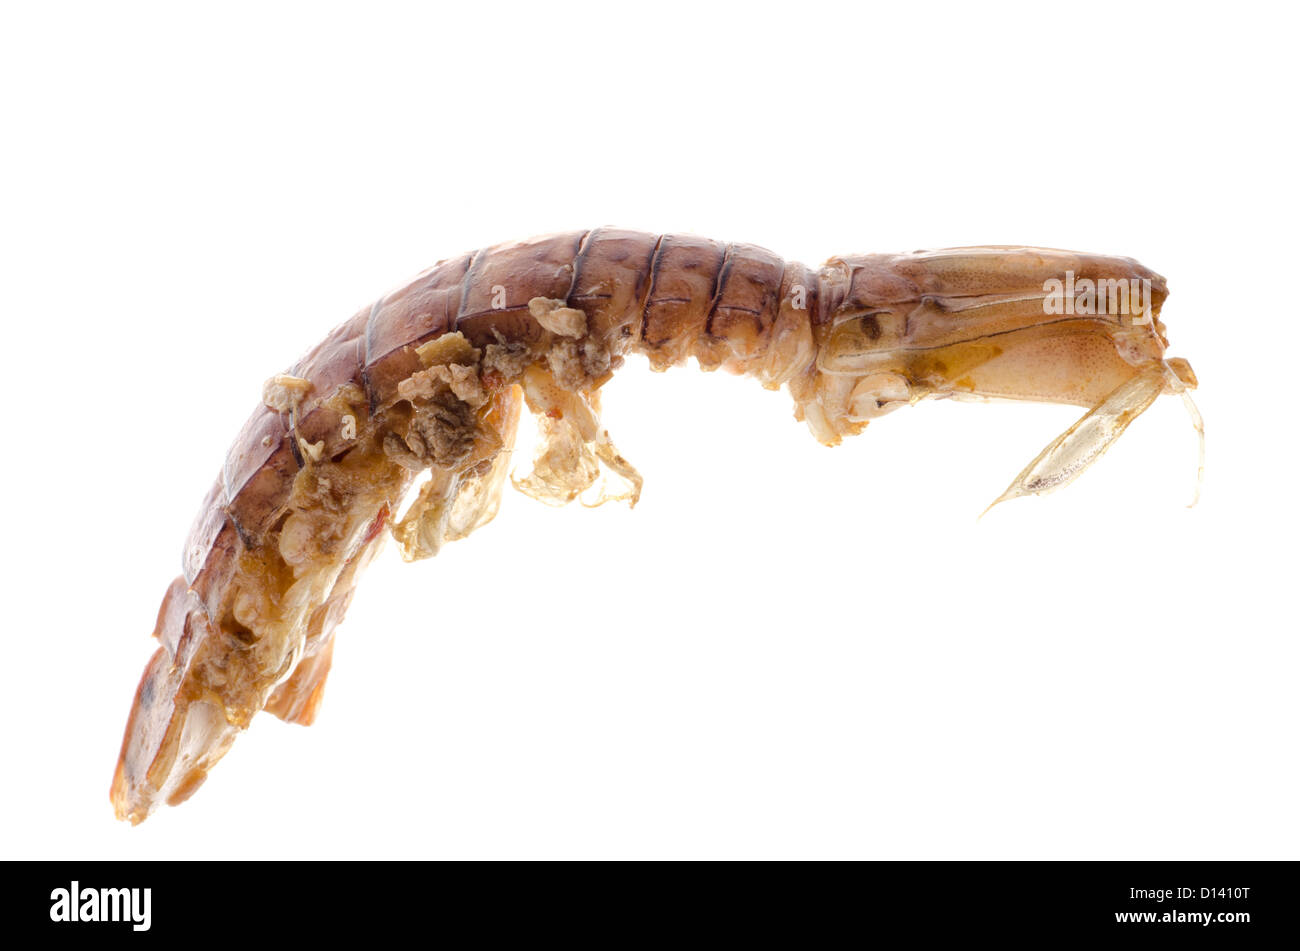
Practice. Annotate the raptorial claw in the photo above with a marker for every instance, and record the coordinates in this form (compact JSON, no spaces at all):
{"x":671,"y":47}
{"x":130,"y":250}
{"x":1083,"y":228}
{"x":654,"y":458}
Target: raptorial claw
{"x":1067,"y":456}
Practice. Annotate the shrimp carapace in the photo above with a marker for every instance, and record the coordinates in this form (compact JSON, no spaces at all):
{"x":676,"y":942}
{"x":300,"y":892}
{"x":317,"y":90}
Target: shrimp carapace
{"x":430,"y":381}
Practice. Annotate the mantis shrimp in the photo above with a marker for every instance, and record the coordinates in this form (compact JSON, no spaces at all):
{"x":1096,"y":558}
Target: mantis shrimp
{"x":432,"y":378}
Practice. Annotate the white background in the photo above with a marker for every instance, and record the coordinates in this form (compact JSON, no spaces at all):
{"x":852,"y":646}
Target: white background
{"x":785,"y":650}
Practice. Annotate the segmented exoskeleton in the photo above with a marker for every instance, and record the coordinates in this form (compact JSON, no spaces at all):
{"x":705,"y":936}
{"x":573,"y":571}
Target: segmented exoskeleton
{"x":432,"y":377}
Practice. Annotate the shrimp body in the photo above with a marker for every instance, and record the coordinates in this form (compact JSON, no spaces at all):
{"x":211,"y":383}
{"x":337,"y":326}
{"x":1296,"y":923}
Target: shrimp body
{"x":431,"y":379}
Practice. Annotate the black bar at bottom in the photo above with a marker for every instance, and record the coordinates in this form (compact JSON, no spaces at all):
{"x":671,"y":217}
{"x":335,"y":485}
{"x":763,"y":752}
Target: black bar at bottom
{"x":300,"y":901}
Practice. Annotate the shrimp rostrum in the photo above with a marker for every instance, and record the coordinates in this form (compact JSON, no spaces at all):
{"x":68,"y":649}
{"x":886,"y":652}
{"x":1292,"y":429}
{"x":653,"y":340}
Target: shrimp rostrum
{"x":430,"y":381}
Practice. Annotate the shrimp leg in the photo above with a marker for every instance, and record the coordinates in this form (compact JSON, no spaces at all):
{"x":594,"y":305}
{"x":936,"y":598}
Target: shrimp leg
{"x":1066,"y":457}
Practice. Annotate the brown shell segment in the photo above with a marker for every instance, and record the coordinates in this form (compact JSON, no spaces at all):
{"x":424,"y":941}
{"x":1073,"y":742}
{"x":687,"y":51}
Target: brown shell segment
{"x":522,"y":270}
{"x":503,"y":279}
{"x":611,"y":277}
{"x":211,"y":550}
{"x":203,"y":533}
{"x":335,"y":364}
{"x":740,"y":318}
{"x":399,"y":322}
{"x":172,"y":613}
{"x":212,"y":580}
{"x":788,"y":344}
{"x":335,"y":361}
{"x":260,"y":438}
{"x":683,"y":282}
{"x":260,"y":499}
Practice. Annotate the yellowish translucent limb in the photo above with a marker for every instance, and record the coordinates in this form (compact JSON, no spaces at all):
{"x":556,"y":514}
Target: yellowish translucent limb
{"x":1070,"y":453}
